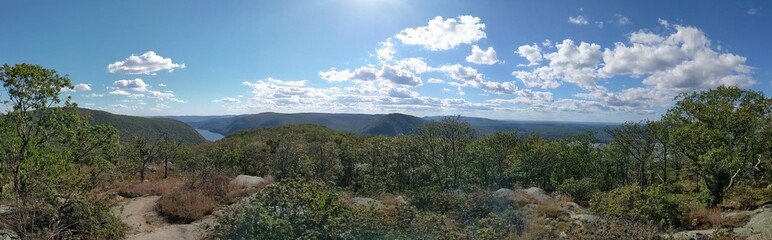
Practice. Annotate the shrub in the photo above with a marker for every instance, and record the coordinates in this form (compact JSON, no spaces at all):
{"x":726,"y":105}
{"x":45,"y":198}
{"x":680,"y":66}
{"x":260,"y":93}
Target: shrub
{"x":704,"y":218}
{"x":614,"y":229}
{"x":747,"y":197}
{"x":580,"y":190}
{"x":148,"y":188}
{"x":64,"y":218}
{"x":185,"y":205}
{"x":651,"y":205}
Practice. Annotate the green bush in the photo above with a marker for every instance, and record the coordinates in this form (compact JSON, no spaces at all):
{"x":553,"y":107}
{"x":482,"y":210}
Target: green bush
{"x":60,"y":218}
{"x":651,"y":205}
{"x":580,"y":190}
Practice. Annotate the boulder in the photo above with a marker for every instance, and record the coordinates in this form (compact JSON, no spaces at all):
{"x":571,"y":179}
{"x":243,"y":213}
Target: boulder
{"x":246,"y":182}
{"x":366,"y":202}
{"x":572,"y":208}
{"x":9,"y":235}
{"x":504,"y":193}
{"x":537,"y":193}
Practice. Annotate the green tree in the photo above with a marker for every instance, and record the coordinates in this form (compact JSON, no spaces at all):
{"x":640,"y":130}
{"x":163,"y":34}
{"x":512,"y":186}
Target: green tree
{"x":722,"y":132}
{"x":144,"y":153}
{"x":443,"y":144}
{"x":36,"y":117}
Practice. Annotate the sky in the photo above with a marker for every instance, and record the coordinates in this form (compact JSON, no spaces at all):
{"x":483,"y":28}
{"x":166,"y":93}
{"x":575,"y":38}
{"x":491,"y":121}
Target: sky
{"x":596,"y":61}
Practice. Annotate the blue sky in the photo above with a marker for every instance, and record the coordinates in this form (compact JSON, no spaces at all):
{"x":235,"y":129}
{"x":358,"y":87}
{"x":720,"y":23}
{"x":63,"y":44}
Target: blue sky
{"x":607,"y":61}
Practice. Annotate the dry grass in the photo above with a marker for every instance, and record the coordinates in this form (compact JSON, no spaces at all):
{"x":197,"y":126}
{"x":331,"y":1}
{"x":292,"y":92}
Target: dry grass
{"x":704,"y":218}
{"x":536,"y":229}
{"x":186,"y":205}
{"x":736,"y":220}
{"x":389,"y":199}
{"x":148,"y":188}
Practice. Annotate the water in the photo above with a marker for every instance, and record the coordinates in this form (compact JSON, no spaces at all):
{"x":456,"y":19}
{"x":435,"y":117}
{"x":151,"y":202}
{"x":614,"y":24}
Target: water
{"x":211,"y":136}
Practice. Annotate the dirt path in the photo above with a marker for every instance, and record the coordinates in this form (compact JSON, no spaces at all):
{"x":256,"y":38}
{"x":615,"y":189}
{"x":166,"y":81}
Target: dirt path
{"x":145,"y":223}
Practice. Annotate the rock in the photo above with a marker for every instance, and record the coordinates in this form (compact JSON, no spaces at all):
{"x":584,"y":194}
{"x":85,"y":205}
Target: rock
{"x":401,"y":200}
{"x":151,"y":169}
{"x":760,"y":224}
{"x":537,"y":193}
{"x":585,"y":218}
{"x":366,"y":202}
{"x":4,"y":209}
{"x":9,"y":235}
{"x":246,"y":182}
{"x":572,"y":208}
{"x":504,"y":193}
{"x":530,"y":206}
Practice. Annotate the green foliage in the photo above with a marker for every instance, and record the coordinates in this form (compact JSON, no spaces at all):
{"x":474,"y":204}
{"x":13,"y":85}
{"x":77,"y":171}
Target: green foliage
{"x":74,"y":217}
{"x":291,"y":209}
{"x":150,"y":129}
{"x":724,"y":133}
{"x":580,"y":190}
{"x":651,"y":205}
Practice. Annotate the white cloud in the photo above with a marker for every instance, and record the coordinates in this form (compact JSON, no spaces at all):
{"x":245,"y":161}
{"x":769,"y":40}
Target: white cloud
{"x":161,"y":85}
{"x":414,"y":64}
{"x":226,"y":100}
{"x":578,"y":20}
{"x":399,"y":76}
{"x":479,"y":56}
{"x":81,"y":87}
{"x":621,"y":20}
{"x":136,"y":85}
{"x":119,"y":92}
{"x":147,"y":63}
{"x":469,"y":77}
{"x":547,"y":43}
{"x":442,"y":34}
{"x":752,"y":11}
{"x":532,"y":53}
{"x":164,"y":96}
{"x":386,"y":51}
{"x":435,"y":80}
{"x":570,"y":63}
{"x":599,"y":24}
{"x":402,"y":93}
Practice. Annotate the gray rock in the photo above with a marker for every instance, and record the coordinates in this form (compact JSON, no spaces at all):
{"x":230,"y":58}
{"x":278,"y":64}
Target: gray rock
{"x":4,"y":209}
{"x":246,"y":182}
{"x":504,"y":193}
{"x":572,"y":208}
{"x":366,"y":202}
{"x":537,"y":193}
{"x":530,"y":206}
{"x":585,"y":218}
{"x":9,"y":235}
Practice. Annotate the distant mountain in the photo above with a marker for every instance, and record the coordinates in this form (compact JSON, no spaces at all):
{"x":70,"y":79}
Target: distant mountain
{"x":545,"y":129}
{"x":390,"y":124}
{"x":148,"y":128}
{"x":192,"y":119}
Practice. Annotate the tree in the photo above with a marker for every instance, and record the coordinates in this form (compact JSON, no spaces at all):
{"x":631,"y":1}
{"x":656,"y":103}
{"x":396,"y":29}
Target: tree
{"x":638,"y":143}
{"x":143,"y":152}
{"x":443,"y":144}
{"x":36,"y":116}
{"x":722,"y":133}
{"x":169,"y":149}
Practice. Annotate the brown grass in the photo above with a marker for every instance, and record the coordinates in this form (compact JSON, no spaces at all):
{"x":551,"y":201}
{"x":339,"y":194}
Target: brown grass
{"x":186,"y":205}
{"x":704,"y":218}
{"x":159,"y":187}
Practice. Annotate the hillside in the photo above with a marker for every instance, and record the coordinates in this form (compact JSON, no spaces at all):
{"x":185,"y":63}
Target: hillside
{"x":148,"y":128}
{"x":392,"y":124}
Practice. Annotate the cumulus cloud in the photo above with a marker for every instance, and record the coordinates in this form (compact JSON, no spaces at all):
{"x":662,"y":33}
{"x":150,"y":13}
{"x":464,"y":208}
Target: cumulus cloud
{"x":435,"y":80}
{"x":136,"y":85}
{"x":81,"y":87}
{"x":147,"y":63}
{"x":752,"y":11}
{"x":386,"y":51}
{"x":470,"y":77}
{"x":479,"y":56}
{"x":393,"y":74}
{"x":402,"y":93}
{"x":226,"y":100}
{"x":679,"y":60}
{"x":621,"y":20}
{"x":441,"y":34}
{"x":399,"y":76}
{"x":532,"y":53}
{"x":578,"y":20}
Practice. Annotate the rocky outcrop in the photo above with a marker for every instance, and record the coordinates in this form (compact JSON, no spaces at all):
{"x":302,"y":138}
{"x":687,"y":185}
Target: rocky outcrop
{"x":246,"y":182}
{"x":9,"y":235}
{"x":366,"y":202}
{"x":758,"y":227}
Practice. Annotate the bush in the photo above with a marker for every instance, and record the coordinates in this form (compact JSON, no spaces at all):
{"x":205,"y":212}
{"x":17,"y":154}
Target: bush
{"x":185,"y":205}
{"x":148,"y":188}
{"x":580,"y":190}
{"x":651,"y":205}
{"x":614,"y":229}
{"x":747,"y":197}
{"x":64,"y":218}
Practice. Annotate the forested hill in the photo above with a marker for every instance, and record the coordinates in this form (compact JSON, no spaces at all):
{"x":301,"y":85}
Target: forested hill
{"x":393,"y":124}
{"x":150,"y":129}
{"x":377,"y":124}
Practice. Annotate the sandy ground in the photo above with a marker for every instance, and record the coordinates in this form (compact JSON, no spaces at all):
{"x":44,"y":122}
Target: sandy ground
{"x":145,"y":223}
